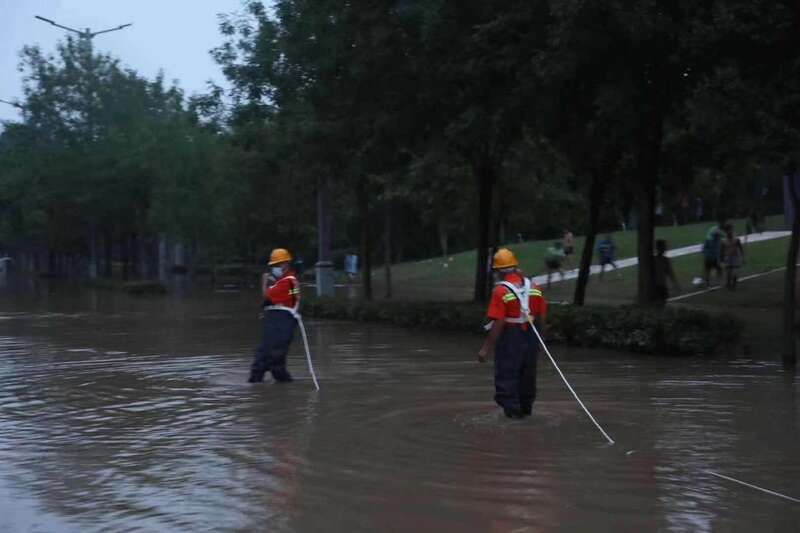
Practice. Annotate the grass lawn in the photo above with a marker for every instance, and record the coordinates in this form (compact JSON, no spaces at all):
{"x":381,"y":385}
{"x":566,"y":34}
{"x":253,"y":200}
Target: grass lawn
{"x":453,"y":278}
{"x":620,"y":287}
{"x":758,"y":301}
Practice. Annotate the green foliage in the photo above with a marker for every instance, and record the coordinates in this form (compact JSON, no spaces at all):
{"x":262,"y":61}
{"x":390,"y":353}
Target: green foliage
{"x":438,"y":315}
{"x":665,"y":331}
{"x":102,"y":149}
{"x":144,"y":288}
{"x":425,"y":105}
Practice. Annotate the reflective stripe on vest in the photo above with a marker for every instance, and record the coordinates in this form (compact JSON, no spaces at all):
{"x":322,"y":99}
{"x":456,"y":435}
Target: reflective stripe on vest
{"x":294,"y":292}
{"x":522,"y":294}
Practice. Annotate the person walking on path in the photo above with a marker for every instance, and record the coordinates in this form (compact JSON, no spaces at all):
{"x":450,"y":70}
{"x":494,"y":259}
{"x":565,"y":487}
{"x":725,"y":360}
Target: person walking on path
{"x":514,"y":299}
{"x":663,"y":273}
{"x":554,"y":260}
{"x":281,"y":291}
{"x":732,"y":255}
{"x":711,"y":254}
{"x":607,"y":249}
{"x":568,"y":244}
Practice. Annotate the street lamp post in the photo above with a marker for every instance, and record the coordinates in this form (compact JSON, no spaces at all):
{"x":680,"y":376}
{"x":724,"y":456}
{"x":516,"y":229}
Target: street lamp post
{"x":87,"y":35}
{"x":14,"y":104}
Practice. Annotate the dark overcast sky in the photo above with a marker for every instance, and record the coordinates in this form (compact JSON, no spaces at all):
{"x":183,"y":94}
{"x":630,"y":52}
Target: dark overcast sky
{"x":173,"y":35}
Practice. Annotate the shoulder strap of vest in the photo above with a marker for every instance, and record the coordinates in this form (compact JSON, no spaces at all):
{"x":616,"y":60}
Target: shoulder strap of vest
{"x":521,"y":293}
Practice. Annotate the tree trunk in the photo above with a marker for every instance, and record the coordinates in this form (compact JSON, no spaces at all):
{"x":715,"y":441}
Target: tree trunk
{"x":387,"y":247}
{"x":362,"y":198}
{"x":326,"y":285}
{"x":647,"y":167}
{"x":486,"y":179}
{"x":125,"y":252}
{"x":52,"y":266}
{"x":144,"y":255}
{"x":94,"y":260}
{"x":161,"y":257}
{"x":790,"y":284}
{"x":442,"y":227}
{"x":596,"y":193}
{"x":108,"y":248}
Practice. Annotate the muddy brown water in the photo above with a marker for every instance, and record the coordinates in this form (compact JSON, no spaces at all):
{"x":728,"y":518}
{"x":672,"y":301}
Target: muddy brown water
{"x":129,"y":414}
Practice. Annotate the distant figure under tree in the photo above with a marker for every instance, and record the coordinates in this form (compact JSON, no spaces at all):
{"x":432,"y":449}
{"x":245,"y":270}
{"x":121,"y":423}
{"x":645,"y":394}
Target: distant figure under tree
{"x":568,"y":242}
{"x":554,"y":260}
{"x":711,"y":254}
{"x":732,"y":253}
{"x":663,"y":273}
{"x":607,"y":250}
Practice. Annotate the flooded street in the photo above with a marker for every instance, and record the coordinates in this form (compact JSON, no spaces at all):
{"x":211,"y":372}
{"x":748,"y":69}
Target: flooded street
{"x":133,"y":414}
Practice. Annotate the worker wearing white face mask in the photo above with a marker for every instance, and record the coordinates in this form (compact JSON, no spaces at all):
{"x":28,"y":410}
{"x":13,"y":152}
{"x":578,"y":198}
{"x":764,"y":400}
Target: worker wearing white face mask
{"x":281,"y":292}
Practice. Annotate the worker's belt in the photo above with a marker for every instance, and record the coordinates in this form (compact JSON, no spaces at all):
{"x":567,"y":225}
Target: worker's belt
{"x":291,"y":310}
{"x":517,"y":321}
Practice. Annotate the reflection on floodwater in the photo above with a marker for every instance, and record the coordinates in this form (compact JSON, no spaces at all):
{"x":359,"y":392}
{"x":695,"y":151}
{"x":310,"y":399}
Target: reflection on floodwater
{"x":120,"y":413}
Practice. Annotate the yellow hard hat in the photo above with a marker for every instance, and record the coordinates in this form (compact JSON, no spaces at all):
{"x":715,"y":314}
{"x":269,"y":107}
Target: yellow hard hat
{"x":504,"y":258}
{"x":279,"y":255}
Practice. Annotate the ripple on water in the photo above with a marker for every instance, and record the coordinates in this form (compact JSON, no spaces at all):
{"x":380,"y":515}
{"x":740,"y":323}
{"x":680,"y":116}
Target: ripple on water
{"x":108,"y":430}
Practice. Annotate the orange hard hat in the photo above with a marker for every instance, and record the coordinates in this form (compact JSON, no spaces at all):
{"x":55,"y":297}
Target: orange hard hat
{"x":504,"y":258}
{"x":279,"y":255}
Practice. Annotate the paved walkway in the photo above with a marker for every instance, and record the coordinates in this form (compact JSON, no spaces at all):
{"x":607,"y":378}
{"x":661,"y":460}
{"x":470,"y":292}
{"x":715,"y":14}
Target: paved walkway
{"x":677,"y":252}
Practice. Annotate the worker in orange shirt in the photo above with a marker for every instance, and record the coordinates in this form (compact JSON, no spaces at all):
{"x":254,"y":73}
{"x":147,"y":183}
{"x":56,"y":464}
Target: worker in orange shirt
{"x":514,"y":298}
{"x":281,"y":292}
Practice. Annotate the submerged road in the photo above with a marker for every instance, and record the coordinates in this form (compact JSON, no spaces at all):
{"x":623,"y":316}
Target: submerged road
{"x":124,"y":414}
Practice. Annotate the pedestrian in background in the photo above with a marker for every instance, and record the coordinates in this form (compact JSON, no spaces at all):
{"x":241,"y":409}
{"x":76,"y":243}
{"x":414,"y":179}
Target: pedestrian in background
{"x":606,"y":251}
{"x":663,"y":273}
{"x":568,"y":245}
{"x":732,"y":254}
{"x":554,"y":260}
{"x":711,"y":254}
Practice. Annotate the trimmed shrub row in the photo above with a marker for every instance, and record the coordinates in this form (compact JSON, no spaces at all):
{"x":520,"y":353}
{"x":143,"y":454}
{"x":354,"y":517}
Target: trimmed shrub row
{"x":134,"y":288}
{"x":646,"y":330}
{"x":666,"y":331}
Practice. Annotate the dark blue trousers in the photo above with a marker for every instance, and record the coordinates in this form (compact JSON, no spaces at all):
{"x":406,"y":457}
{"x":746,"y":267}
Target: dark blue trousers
{"x":515,"y":370}
{"x":278,"y":330}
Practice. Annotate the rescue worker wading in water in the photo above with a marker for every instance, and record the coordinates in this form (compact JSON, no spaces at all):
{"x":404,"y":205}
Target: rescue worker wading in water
{"x":281,"y":292}
{"x":514,"y":342}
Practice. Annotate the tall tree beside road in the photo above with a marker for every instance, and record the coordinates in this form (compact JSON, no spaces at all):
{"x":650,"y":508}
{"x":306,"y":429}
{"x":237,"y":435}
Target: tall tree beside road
{"x":116,"y":156}
{"x":471,"y":96}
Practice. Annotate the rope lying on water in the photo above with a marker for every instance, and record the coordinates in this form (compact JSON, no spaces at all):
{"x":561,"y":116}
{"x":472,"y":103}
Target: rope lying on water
{"x":762,"y":489}
{"x":560,"y":373}
{"x":611,"y":441}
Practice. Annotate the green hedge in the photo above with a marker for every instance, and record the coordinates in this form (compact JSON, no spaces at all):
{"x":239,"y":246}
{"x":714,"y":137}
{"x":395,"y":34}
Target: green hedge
{"x":448,"y":316}
{"x":646,"y":330}
{"x":630,"y":328}
{"x":134,"y":288}
{"x":143,"y":288}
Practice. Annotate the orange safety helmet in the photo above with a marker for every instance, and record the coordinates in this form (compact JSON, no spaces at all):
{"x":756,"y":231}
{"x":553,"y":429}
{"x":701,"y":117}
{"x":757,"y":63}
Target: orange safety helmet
{"x":279,"y":255}
{"x":504,"y":258}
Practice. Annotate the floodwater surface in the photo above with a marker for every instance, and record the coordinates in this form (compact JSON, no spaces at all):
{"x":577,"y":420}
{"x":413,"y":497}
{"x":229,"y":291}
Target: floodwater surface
{"x":133,"y":415}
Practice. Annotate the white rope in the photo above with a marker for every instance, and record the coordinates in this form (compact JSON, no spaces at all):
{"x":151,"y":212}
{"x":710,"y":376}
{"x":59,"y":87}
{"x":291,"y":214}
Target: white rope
{"x":308,"y":352}
{"x":293,"y":311}
{"x":772,"y":492}
{"x":555,"y":365}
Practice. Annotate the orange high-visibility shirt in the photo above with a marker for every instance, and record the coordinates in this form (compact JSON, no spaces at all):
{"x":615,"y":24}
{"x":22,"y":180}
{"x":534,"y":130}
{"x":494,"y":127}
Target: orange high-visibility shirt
{"x":286,"y":291}
{"x":501,"y":306}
